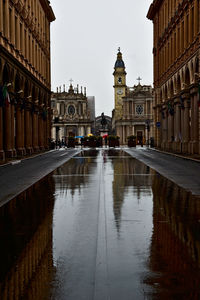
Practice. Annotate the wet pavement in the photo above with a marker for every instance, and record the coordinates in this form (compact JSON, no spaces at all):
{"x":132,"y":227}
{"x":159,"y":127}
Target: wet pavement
{"x":102,"y":226}
{"x":183,"y":172}
{"x":19,"y":175}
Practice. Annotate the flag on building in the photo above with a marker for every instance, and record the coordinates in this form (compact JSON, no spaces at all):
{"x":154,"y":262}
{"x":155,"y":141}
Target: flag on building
{"x":170,"y":109}
{"x":6,"y":96}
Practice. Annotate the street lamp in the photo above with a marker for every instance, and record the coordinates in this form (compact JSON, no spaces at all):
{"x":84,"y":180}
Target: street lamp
{"x":148,"y":129}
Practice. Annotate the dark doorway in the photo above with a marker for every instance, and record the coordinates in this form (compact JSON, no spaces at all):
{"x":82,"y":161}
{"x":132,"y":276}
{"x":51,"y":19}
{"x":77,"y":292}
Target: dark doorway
{"x":139,"y":137}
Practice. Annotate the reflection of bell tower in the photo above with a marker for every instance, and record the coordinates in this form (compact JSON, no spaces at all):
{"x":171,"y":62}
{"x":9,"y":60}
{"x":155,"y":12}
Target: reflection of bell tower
{"x":119,"y":85}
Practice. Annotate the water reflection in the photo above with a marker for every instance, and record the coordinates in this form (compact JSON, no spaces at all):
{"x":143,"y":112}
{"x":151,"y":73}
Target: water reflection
{"x":120,"y":231}
{"x":26,"y":243}
{"x":175,"y":248}
{"x":74,"y":174}
{"x":131,"y":178}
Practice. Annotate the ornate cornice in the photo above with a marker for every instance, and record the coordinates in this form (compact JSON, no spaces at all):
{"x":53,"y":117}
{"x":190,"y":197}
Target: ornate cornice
{"x":153,"y":9}
{"x":48,"y":10}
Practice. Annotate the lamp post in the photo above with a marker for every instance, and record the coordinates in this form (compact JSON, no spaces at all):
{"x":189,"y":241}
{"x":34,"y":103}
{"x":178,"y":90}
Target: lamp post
{"x":148,"y":129}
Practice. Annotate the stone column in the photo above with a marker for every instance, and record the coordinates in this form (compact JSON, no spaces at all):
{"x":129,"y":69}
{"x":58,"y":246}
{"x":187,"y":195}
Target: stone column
{"x":196,"y":17}
{"x":23,"y":131}
{"x":41,"y":130}
{"x":7,"y":131}
{"x":28,"y":129}
{"x":182,"y":128}
{"x":132,"y":110}
{"x":171,"y":131}
{"x":176,"y":54}
{"x":19,"y":130}
{"x":196,"y":124}
{"x":162,"y":122}
{"x":123,"y":134}
{"x":17,"y":41}
{"x":185,"y":32}
{"x":2,"y":154}
{"x":53,"y":133}
{"x":7,"y":19}
{"x":27,"y":46}
{"x":13,"y":131}
{"x":119,"y":132}
{"x":194,"y":121}
{"x":146,"y":136}
{"x":186,"y":125}
{"x":190,"y":37}
{"x":127,"y":133}
{"x":177,"y":127}
{"x":46,"y":132}
{"x":164,"y":130}
{"x":158,"y":131}
{"x":168,"y":131}
{"x":35,"y":129}
{"x":12,"y":38}
{"x":1,"y":15}
{"x":23,"y":41}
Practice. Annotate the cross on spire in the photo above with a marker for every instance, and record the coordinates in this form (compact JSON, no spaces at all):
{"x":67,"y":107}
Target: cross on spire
{"x":139,"y":79}
{"x":71,"y":80}
{"x":119,"y":49}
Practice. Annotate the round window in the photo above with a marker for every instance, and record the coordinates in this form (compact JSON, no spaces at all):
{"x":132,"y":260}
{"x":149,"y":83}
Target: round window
{"x":71,"y":110}
{"x":139,"y":109}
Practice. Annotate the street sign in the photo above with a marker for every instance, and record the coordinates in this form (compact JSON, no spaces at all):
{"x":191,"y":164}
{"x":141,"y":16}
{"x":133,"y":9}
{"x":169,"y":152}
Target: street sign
{"x":158,"y":124}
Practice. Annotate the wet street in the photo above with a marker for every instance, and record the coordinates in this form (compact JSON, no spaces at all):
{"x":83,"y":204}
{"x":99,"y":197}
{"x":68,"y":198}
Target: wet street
{"x":102,"y":226}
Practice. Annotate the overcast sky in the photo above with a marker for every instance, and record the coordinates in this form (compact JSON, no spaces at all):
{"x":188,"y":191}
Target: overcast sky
{"x":84,"y":41}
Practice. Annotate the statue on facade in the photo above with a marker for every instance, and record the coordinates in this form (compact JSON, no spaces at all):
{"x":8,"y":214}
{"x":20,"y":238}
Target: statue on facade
{"x":103,"y":121}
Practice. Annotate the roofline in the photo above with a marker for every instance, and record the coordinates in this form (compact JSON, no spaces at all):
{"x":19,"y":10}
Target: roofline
{"x":48,"y":10}
{"x":153,"y":9}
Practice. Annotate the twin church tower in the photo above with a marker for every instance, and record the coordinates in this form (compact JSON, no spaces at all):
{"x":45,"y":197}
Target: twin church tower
{"x":132,"y":114}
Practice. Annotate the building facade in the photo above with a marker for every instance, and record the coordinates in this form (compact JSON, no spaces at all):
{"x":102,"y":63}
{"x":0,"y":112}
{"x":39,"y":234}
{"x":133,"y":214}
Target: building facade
{"x":25,"y":114}
{"x":132,"y":114}
{"x":176,"y":54}
{"x":73,"y":113}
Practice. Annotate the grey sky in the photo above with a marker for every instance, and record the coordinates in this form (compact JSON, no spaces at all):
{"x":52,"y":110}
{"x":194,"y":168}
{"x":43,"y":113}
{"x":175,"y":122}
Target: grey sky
{"x":85,"y":38}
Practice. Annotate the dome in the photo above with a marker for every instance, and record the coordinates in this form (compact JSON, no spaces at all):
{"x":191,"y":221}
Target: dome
{"x":119,"y":62}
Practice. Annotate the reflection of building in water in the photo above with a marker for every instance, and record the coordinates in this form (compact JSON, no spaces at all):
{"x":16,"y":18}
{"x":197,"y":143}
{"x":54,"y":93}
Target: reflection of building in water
{"x":129,"y":173}
{"x":26,"y":243}
{"x":175,"y":245}
{"x":76,"y":172}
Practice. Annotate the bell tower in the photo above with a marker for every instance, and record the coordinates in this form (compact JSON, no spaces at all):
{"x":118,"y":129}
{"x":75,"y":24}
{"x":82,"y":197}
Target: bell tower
{"x":119,"y":85}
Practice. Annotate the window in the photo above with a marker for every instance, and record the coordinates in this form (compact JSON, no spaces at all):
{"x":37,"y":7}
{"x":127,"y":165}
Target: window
{"x":71,"y":110}
{"x":139,"y":109}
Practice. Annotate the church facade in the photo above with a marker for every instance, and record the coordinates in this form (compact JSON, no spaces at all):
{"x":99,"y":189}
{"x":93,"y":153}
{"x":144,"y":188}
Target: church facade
{"x":73,"y":113}
{"x":132,"y":114}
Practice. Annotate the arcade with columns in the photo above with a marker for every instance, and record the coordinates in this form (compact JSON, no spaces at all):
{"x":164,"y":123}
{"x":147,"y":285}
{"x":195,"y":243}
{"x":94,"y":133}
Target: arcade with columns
{"x":25,"y":91}
{"x":176,"y":75}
